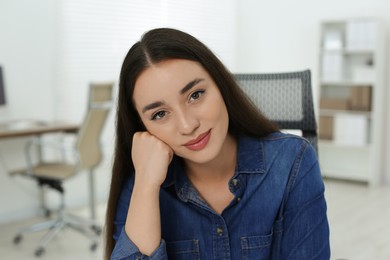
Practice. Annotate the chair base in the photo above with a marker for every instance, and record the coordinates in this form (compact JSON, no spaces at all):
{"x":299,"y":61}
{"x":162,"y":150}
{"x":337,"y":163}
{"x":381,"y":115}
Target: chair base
{"x":90,"y":228}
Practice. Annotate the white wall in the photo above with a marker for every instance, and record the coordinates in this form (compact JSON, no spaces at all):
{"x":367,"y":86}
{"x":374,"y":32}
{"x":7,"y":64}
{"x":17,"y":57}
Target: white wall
{"x":26,"y":53}
{"x":283,"y":35}
{"x":93,"y":38}
{"x":26,"y":49}
{"x":52,"y":50}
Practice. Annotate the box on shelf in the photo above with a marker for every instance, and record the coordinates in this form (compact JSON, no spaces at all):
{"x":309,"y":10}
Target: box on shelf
{"x":333,"y":103}
{"x":361,"y":98}
{"x":325,"y":128}
{"x":333,"y":39}
{"x":350,"y":129}
{"x":363,"y":74}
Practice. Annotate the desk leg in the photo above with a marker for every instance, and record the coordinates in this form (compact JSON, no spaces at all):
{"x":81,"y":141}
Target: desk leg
{"x":39,"y":152}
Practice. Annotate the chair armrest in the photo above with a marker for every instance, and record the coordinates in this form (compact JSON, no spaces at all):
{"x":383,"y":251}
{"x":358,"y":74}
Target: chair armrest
{"x":57,"y":144}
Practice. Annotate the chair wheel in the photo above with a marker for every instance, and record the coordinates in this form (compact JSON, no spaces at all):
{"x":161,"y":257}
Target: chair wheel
{"x":93,"y":247}
{"x":40,"y":251}
{"x":47,"y":213}
{"x":17,"y":239}
{"x":96,"y":229}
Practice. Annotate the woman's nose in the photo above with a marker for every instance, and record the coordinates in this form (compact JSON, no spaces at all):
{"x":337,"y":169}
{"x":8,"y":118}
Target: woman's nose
{"x":187,"y":123}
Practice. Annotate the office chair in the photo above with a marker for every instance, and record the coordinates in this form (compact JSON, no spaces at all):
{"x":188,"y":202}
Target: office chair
{"x":84,"y":155}
{"x":284,"y":98}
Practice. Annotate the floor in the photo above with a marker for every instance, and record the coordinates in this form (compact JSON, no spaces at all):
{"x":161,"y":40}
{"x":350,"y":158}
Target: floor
{"x":358,"y":215}
{"x":359,"y":221}
{"x":68,"y":245}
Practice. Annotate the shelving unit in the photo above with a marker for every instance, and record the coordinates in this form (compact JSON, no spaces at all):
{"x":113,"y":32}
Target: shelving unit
{"x":351,"y":115}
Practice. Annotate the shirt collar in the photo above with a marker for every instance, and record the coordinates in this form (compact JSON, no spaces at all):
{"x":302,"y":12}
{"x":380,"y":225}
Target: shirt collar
{"x":250,"y":160}
{"x":250,"y":156}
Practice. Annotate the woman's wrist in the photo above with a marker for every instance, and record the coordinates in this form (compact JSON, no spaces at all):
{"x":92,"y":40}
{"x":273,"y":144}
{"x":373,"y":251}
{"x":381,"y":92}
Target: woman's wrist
{"x":145,"y":186}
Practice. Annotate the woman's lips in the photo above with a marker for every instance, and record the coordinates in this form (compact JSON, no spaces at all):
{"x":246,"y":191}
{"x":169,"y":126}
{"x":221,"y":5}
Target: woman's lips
{"x":200,"y":142}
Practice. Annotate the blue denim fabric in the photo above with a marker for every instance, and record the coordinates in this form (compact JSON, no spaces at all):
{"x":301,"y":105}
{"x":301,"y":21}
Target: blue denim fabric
{"x":279,"y":209}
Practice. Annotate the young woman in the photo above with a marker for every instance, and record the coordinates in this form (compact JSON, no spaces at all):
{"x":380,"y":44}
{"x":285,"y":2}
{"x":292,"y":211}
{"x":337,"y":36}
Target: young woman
{"x":199,"y":173}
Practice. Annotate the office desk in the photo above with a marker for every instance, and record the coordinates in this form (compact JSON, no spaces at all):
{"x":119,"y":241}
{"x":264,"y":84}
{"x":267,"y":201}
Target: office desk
{"x":24,"y":128}
{"x":30,"y":127}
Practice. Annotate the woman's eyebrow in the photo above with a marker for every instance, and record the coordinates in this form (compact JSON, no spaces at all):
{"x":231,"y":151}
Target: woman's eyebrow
{"x":186,"y":88}
{"x":190,"y":85}
{"x":152,"y":106}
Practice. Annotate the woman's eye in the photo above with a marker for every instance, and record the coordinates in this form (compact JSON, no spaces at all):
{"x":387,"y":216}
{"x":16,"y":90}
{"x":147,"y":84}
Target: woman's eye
{"x":196,"y":95}
{"x":158,"y":115}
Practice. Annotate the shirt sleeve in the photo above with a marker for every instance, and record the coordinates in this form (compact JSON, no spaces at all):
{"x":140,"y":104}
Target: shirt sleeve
{"x":124,"y":247}
{"x":305,"y":228}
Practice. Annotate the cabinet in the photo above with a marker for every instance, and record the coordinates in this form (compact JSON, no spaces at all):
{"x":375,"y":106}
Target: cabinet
{"x":352,"y":92}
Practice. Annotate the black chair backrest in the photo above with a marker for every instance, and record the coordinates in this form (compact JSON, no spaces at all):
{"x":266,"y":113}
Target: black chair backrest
{"x":284,"y":98}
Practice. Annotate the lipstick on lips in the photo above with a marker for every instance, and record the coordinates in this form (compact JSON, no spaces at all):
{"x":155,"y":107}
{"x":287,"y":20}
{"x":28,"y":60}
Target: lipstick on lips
{"x":200,"y":142}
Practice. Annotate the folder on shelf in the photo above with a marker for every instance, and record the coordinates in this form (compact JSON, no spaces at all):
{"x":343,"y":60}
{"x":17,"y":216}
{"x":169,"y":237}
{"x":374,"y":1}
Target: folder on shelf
{"x":334,"y":103}
{"x":361,"y":35}
{"x":326,"y":128}
{"x":332,"y":67}
{"x":361,"y":98}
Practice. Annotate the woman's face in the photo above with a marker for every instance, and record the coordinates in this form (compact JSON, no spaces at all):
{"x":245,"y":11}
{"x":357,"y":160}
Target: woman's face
{"x":180,"y":104}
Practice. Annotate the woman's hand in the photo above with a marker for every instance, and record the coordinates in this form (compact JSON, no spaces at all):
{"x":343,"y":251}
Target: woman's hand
{"x":151,"y":158}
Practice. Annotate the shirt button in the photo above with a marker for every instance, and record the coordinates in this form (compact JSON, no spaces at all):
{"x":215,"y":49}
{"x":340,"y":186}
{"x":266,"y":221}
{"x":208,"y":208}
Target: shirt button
{"x":219,"y":231}
{"x":238,"y":199}
{"x":235,"y":182}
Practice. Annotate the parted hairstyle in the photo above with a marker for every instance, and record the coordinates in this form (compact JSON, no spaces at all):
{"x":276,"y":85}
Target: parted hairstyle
{"x":155,"y":46}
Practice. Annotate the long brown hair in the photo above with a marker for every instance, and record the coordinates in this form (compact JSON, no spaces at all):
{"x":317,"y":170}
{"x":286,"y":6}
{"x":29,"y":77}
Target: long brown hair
{"x":155,"y":46}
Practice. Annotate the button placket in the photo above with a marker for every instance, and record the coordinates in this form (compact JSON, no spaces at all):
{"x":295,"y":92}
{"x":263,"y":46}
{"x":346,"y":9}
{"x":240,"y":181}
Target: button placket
{"x":221,"y":240}
{"x":220,"y":231}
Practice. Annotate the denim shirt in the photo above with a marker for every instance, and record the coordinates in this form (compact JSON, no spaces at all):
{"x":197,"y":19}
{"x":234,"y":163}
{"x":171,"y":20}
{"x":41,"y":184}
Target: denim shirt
{"x":278,"y":211}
